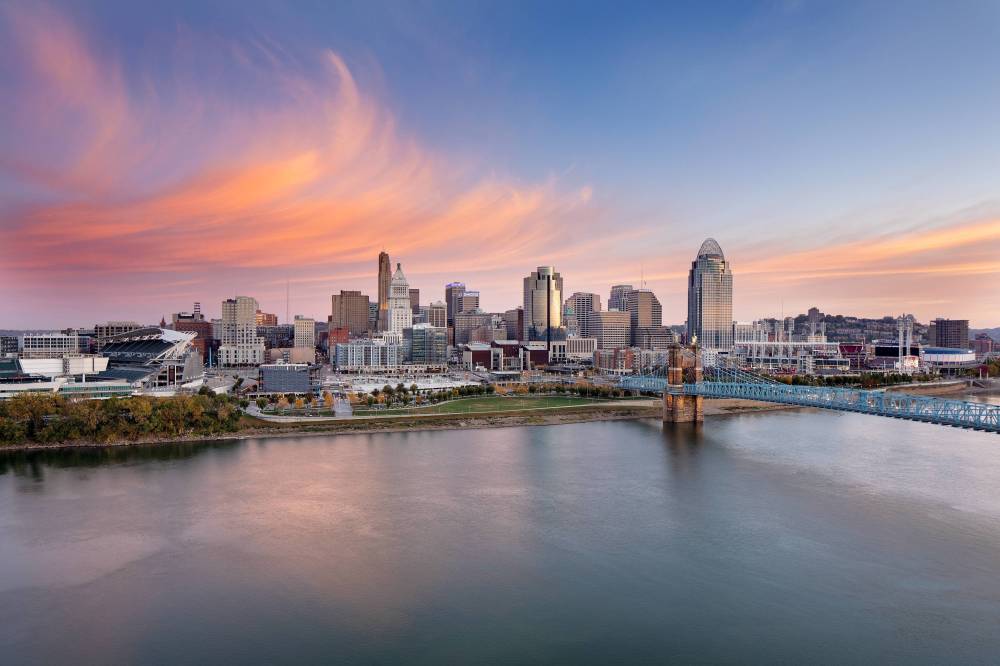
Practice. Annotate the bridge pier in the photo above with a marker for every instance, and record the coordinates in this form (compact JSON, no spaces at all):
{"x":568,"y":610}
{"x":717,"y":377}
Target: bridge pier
{"x":684,"y":366}
{"x":683,"y":408}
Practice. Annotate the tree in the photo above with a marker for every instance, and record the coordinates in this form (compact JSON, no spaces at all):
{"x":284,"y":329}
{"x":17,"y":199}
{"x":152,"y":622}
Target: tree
{"x":414,"y":388}
{"x":328,"y":399}
{"x":299,"y":403}
{"x":283,"y":403}
{"x":370,"y":400}
{"x":261,"y":403}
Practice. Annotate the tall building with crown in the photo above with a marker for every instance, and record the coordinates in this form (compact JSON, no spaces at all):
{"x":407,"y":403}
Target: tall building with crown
{"x":710,"y":298}
{"x":400,"y":312}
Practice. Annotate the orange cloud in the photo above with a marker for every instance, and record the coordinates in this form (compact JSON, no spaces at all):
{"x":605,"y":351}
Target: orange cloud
{"x":315,"y":174}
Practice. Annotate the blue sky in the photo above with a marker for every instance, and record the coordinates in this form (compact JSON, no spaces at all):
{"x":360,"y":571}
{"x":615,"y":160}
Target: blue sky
{"x":798,"y":129}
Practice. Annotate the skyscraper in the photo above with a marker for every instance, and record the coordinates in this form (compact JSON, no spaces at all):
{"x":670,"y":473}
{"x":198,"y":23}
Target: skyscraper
{"x":415,"y":300}
{"x":584,"y":306}
{"x":350,"y":311}
{"x":400,"y":313}
{"x":437,"y":315}
{"x":453,"y":292}
{"x":384,"y":278}
{"x":710,"y":298}
{"x":644,"y":310}
{"x":617,"y":299}
{"x":542,"y":303}
{"x":240,"y":343}
{"x":951,"y":333}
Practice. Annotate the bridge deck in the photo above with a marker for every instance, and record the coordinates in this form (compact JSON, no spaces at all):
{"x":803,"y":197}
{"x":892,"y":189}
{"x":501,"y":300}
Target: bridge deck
{"x":958,"y":413}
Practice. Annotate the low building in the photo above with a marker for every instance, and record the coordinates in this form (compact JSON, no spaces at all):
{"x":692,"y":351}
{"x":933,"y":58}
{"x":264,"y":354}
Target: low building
{"x":49,"y":345}
{"x":619,"y":361}
{"x":292,"y":355}
{"x":580,"y":349}
{"x":948,"y":360}
{"x":369,"y":355}
{"x":477,"y":355}
{"x":285,"y":378}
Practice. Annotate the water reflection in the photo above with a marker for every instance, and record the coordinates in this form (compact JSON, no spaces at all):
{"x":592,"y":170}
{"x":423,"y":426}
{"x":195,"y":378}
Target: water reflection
{"x":32,"y":464}
{"x":786,"y":537}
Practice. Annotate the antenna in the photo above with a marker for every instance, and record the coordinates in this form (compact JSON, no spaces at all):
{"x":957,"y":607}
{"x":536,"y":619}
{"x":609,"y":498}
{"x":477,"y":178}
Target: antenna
{"x":287,"y":292}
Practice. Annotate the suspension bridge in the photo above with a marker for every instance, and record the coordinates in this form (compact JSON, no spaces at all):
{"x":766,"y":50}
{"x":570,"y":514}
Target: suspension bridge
{"x":684,"y":384}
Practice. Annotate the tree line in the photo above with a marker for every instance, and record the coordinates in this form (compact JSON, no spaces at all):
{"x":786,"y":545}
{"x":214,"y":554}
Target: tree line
{"x":48,"y":418}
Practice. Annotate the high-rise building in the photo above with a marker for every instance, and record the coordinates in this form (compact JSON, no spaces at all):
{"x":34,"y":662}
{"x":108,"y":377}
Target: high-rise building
{"x":400,"y":314}
{"x":514,"y":323}
{"x":415,"y":300}
{"x":612,"y":329}
{"x":466,"y":322}
{"x":542,"y":303}
{"x":241,"y":345}
{"x":428,"y":344}
{"x":585,"y":305}
{"x":437,"y":315}
{"x":452,"y":297}
{"x":195,"y":322}
{"x":951,"y":333}
{"x":384,"y":280}
{"x":265,"y":319}
{"x":350,"y":311}
{"x":8,"y":345}
{"x":710,"y":299}
{"x":645,"y":311}
{"x":469,"y":301}
{"x":372,"y":315}
{"x":305,"y":332}
{"x":617,"y":299}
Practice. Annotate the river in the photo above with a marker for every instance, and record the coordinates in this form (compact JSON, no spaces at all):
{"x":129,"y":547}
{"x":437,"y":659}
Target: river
{"x":792,"y":536}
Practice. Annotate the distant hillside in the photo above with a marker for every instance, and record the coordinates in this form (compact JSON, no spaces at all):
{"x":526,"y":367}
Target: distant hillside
{"x":992,"y":332}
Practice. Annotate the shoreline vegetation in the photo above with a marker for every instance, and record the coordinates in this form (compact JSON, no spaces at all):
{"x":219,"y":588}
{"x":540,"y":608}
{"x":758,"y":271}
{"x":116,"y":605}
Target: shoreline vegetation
{"x":49,"y":422}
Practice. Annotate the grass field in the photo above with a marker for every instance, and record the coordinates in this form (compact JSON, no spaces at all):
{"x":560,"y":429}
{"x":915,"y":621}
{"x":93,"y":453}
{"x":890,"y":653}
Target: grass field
{"x":485,"y":404}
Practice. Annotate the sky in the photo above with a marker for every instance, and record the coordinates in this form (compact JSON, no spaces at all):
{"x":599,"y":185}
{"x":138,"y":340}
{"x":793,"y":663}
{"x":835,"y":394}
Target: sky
{"x":844,"y":155}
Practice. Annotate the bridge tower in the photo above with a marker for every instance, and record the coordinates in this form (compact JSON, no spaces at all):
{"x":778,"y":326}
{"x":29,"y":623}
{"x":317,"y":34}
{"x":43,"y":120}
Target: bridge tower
{"x":684,"y":366}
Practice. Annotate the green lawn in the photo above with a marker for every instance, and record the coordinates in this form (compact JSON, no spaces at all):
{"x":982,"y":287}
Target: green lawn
{"x":485,"y":404}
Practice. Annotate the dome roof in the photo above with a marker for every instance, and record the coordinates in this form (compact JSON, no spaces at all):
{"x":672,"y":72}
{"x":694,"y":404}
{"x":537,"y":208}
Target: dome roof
{"x":710,"y":248}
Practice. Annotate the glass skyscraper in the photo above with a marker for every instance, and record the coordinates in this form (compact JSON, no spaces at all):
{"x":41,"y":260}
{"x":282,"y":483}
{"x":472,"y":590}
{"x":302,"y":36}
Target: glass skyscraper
{"x":710,"y":299}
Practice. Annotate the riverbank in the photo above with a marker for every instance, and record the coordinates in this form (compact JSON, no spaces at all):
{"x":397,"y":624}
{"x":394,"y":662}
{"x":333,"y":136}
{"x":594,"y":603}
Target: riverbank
{"x":252,"y":428}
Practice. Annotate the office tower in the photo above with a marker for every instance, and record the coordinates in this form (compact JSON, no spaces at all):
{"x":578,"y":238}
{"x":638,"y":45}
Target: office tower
{"x":350,"y":311}
{"x":951,"y":333}
{"x":514,"y":323}
{"x":305,"y":332}
{"x":428,"y":344}
{"x":469,"y":301}
{"x":265,"y":319}
{"x":452,"y":297}
{"x":710,"y":299}
{"x":372,"y":315}
{"x":542,"y":303}
{"x":384,"y":280}
{"x":466,"y":322}
{"x":414,"y":300}
{"x":240,"y":344}
{"x":612,"y":329}
{"x":617,"y":299}
{"x":49,"y":345}
{"x":400,"y":314}
{"x":644,"y":311}
{"x":584,"y":306}
{"x":437,"y":315}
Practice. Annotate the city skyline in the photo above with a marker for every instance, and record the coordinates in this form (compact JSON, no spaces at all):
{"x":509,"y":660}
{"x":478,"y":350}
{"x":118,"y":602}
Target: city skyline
{"x":225,"y":157}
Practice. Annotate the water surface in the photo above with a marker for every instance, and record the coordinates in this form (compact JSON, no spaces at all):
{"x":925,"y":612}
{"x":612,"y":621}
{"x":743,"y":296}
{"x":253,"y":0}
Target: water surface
{"x":788,"y":536}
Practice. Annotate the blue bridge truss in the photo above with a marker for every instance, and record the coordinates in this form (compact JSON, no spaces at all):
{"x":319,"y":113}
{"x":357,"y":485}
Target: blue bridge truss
{"x":734,"y":383}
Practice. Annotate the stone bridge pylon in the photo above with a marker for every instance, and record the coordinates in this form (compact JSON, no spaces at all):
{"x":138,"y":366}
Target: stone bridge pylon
{"x":684,"y":367}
